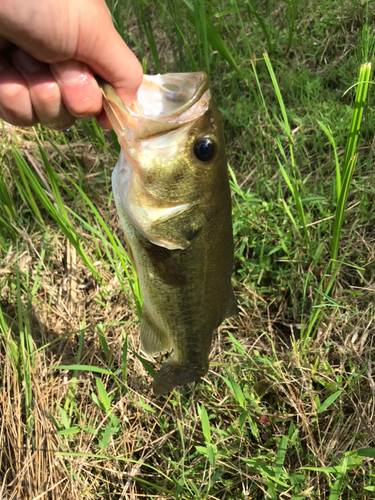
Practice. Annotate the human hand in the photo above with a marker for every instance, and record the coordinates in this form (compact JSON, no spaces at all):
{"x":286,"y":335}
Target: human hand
{"x":49,"y":53}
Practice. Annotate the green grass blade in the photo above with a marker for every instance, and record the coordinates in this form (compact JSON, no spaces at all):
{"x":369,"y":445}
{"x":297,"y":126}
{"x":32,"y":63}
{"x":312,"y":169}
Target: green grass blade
{"x":293,"y":178}
{"x":23,"y":168}
{"x":32,"y":182}
{"x":25,"y":367}
{"x":134,"y":283}
{"x":202,"y":412}
{"x":366,"y":452}
{"x":359,"y":104}
{"x":103,"y":344}
{"x":84,"y":368}
{"x":280,"y":457}
{"x":350,"y":157}
{"x":52,"y":177}
{"x":340,"y":211}
{"x":327,"y":130}
{"x":145,"y":363}
{"x":215,"y":40}
{"x":146,"y":20}
{"x":252,"y":12}
{"x":236,"y":389}
{"x":124,"y":358}
{"x":197,"y":25}
{"x":202,"y":19}
{"x":331,"y":399}
{"x":103,"y":394}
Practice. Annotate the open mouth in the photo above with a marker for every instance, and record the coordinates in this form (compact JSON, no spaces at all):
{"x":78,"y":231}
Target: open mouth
{"x":163,"y":97}
{"x":164,"y":103}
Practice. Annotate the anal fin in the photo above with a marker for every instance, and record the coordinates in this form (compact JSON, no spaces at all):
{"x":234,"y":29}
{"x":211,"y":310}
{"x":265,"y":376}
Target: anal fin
{"x":154,"y":341}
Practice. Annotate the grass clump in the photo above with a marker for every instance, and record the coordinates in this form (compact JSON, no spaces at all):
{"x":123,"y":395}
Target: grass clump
{"x":286,"y":409}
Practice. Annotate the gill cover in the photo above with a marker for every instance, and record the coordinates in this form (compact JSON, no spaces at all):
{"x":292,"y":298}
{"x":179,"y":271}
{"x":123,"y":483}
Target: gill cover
{"x":158,"y":123}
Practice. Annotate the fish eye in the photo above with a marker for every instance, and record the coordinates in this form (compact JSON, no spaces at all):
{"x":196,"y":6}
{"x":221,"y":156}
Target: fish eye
{"x":204,"y":149}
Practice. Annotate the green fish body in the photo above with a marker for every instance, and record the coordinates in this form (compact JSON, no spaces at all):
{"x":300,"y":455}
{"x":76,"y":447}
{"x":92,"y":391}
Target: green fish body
{"x":172,"y":195}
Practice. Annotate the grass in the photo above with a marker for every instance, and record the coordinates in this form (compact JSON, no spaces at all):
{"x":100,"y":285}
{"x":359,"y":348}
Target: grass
{"x":286,"y":410}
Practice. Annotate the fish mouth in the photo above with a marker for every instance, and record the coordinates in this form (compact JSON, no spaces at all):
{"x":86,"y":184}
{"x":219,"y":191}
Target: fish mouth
{"x":166,"y":97}
{"x":164,"y":103}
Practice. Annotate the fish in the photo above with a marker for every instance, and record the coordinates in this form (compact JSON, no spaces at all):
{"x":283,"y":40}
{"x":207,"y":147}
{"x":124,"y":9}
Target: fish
{"x":172,"y":195}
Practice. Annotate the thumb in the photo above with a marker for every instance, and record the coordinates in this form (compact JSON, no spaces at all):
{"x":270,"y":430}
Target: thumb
{"x":109,"y":57}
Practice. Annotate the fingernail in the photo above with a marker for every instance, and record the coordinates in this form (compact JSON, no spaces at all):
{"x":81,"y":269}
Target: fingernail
{"x":71,"y":72}
{"x":28,"y":62}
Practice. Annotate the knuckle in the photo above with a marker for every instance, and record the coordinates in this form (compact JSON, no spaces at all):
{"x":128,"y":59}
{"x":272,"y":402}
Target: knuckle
{"x":12,"y":93}
{"x":46,"y":95}
{"x":85,"y":107}
{"x":15,"y":105}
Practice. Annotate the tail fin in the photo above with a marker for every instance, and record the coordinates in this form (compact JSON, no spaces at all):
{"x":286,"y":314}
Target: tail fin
{"x":173,"y":374}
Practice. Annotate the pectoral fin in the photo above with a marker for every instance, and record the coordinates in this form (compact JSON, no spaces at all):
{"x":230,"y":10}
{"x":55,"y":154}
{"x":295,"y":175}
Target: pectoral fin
{"x":179,"y":230}
{"x":154,"y":341}
{"x":165,"y":262}
{"x":129,"y":251}
{"x":158,"y":225}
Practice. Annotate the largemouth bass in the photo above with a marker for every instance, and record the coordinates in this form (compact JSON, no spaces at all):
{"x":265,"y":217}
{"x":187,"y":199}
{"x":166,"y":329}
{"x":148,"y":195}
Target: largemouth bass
{"x":172,"y":196}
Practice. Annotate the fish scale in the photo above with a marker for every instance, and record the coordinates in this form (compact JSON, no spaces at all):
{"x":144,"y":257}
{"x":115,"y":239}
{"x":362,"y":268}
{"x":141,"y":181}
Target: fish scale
{"x":173,"y":199}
